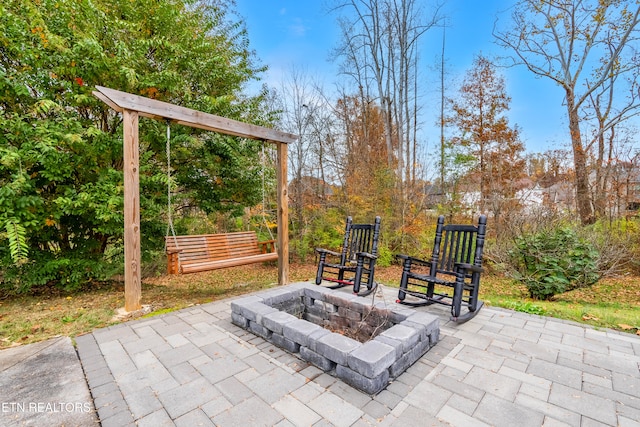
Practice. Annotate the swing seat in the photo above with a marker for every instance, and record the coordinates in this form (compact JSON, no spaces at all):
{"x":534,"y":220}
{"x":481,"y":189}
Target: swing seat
{"x":192,"y":254}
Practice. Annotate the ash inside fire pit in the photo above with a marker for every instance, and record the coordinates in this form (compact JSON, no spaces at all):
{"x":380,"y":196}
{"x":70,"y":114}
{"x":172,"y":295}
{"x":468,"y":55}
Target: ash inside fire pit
{"x":364,"y":345}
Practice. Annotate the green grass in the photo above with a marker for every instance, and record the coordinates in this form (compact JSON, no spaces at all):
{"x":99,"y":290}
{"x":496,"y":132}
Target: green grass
{"x":611,"y":303}
{"x":31,"y":318}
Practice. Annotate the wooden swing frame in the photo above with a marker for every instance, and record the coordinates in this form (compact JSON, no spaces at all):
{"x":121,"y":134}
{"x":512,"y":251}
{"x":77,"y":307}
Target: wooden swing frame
{"x":132,"y":107}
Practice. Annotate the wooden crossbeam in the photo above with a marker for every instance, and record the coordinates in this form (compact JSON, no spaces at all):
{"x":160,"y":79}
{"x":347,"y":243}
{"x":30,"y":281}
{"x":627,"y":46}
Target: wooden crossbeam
{"x":160,"y":110}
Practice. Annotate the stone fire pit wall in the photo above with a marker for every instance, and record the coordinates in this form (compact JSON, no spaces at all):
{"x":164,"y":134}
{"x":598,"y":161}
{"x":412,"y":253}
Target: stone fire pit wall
{"x":294,"y":318}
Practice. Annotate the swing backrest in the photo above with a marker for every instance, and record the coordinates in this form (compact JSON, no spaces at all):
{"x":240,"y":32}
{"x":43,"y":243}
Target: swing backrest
{"x":199,"y":252}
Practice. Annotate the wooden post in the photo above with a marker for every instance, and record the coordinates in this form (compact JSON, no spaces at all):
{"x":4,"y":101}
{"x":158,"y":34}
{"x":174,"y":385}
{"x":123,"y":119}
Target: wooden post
{"x":283,"y":216}
{"x":132,"y":285}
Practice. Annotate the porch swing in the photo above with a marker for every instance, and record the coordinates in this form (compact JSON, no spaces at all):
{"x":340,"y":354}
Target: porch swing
{"x":132,"y":107}
{"x":204,"y":252}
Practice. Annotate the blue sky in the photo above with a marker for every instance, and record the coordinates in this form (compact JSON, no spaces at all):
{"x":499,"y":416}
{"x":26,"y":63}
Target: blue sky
{"x":301,"y":34}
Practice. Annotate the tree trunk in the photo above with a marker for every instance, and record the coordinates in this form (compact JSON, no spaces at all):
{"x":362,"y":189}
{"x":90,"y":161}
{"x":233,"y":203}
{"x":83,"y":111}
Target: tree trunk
{"x":583,"y":198}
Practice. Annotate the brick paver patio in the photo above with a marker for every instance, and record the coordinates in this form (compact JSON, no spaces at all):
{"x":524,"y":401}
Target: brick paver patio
{"x":503,"y":368}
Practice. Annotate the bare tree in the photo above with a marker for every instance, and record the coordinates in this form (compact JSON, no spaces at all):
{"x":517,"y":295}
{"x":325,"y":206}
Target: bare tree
{"x":299,"y":104}
{"x":379,"y":50}
{"x":622,"y":175}
{"x":608,"y":113}
{"x":580,"y":45}
{"x":442,"y":119}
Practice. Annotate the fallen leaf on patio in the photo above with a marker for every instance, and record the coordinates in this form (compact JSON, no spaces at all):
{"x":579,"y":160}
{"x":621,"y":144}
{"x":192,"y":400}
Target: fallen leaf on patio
{"x":625,"y":326}
{"x":590,"y":317}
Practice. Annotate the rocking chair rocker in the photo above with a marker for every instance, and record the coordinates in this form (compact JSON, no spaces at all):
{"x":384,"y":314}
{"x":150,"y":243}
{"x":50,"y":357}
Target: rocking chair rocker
{"x":456,"y":262}
{"x":356,"y":262}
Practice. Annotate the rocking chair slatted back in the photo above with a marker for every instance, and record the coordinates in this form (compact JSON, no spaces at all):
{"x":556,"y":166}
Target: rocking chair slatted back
{"x":456,"y":248}
{"x":359,"y":238}
{"x":357,"y":258}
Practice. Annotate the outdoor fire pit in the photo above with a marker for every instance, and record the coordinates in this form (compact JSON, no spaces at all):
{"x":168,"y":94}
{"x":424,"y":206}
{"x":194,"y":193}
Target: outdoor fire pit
{"x":365,"y":345}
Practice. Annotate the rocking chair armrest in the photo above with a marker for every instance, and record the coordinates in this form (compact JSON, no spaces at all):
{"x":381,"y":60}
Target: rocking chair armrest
{"x":469,"y":267}
{"x":367,"y":255}
{"x":405,"y":258}
{"x":327,"y":251}
{"x":173,"y":251}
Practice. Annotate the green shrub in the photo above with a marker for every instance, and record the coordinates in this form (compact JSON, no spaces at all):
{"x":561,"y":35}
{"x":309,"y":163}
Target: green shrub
{"x":618,"y":243}
{"x":385,"y":256}
{"x":321,"y":230}
{"x":553,"y":261}
{"x":62,"y":271}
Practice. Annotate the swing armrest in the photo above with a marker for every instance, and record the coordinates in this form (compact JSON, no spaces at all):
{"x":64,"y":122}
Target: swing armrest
{"x":267,"y":246}
{"x":173,"y":262}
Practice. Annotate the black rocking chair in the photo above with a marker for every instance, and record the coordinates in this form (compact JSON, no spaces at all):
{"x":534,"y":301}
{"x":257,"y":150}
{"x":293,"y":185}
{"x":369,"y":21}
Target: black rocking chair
{"x":356,"y":262}
{"x":456,"y":263}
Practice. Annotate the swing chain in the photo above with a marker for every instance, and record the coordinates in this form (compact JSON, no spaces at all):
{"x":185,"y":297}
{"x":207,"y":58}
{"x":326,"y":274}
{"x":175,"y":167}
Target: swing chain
{"x":264,"y":197}
{"x":169,"y":207}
